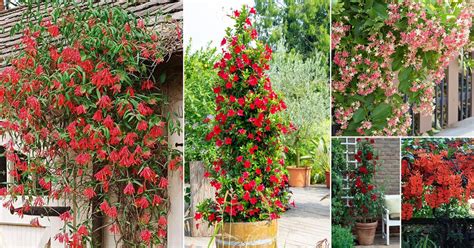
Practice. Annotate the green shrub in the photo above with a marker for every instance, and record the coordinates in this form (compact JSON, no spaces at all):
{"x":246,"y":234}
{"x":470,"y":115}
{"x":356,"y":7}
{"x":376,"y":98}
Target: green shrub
{"x":342,"y":237}
{"x":199,"y":77}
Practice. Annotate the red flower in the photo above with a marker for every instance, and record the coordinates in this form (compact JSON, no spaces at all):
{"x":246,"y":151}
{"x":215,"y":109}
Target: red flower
{"x":148,"y":174}
{"x":142,"y":202}
{"x":71,"y":55}
{"x":369,"y":156}
{"x":407,"y":211}
{"x":247,"y":164}
{"x":130,"y":139}
{"x":53,"y":30}
{"x":140,"y":24}
{"x":97,"y":116}
{"x":363,"y":170}
{"x":144,"y":109}
{"x":89,"y":192}
{"x":373,"y":197}
{"x":82,"y":231}
{"x":157,"y":200}
{"x":252,"y":81}
{"x":142,"y":126}
{"x":197,"y":216}
{"x":145,"y":235}
{"x":104,"y":78}
{"x":129,"y":189}
{"x":83,"y":158}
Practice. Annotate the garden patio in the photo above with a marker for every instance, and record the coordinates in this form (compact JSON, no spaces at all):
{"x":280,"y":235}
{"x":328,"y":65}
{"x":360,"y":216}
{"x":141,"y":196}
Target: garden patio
{"x":303,"y":226}
{"x":379,"y":242}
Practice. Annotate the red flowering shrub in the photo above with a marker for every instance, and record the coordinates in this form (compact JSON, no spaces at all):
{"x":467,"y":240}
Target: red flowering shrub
{"x":367,"y":199}
{"x":388,"y":57}
{"x":249,"y":175}
{"x":79,"y":104}
{"x":437,"y":177}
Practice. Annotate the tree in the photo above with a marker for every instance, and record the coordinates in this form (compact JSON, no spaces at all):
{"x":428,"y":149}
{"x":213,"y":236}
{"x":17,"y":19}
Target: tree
{"x":302,"y":24}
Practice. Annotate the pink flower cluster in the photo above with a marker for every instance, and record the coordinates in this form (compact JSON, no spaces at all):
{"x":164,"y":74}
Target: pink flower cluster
{"x":407,"y":61}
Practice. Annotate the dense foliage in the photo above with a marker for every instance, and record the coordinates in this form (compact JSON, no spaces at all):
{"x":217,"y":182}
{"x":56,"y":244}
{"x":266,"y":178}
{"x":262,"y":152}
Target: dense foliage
{"x":303,"y":25}
{"x":199,"y":78}
{"x":367,"y":201}
{"x":303,"y":84}
{"x":339,"y":210}
{"x":249,"y":172}
{"x":341,"y":237}
{"x":388,"y":57}
{"x":437,"y":177}
{"x":86,"y":122}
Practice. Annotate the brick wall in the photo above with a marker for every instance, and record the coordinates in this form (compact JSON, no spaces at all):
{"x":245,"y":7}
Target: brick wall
{"x":388,"y":174}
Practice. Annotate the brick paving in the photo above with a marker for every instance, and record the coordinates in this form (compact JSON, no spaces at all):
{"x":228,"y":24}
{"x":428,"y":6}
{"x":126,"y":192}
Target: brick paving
{"x":302,"y":226}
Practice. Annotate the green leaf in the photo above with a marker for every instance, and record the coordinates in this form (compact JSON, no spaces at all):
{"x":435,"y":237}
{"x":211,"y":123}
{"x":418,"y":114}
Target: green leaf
{"x":162,"y":77}
{"x":404,"y":77}
{"x":381,"y":10}
{"x":359,"y":115}
{"x":381,"y":112}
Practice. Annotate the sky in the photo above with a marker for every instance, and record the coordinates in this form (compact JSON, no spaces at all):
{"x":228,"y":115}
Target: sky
{"x":206,"y":20}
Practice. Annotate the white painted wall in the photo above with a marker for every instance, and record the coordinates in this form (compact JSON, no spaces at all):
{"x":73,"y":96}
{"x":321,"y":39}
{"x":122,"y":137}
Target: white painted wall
{"x":16,"y":232}
{"x":175,"y":178}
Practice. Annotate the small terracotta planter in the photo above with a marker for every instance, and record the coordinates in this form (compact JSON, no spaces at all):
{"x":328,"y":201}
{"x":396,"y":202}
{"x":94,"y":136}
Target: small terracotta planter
{"x":299,"y":176}
{"x":260,"y":234}
{"x":365,"y":232}
{"x":328,"y":179}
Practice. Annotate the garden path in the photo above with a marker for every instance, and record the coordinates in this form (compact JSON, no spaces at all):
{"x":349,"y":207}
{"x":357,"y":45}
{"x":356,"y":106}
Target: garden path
{"x":302,"y":226}
{"x":464,"y":128}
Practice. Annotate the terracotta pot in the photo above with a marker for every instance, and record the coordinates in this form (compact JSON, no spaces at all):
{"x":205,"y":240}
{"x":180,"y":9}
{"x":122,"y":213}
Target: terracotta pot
{"x":328,"y":179}
{"x":260,"y":234}
{"x":299,"y":176}
{"x":365,"y":232}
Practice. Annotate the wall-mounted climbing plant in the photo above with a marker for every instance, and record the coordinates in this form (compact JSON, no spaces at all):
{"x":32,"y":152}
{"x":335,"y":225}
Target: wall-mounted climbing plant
{"x":81,"y":103}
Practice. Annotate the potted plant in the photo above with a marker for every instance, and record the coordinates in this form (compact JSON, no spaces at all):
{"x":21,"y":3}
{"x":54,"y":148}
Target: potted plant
{"x":299,"y":173}
{"x":249,"y":174}
{"x":320,"y":155}
{"x":367,"y":202}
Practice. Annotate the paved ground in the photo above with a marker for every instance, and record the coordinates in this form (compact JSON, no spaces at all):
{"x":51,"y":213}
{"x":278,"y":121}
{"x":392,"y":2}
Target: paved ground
{"x":380,"y":243}
{"x":463,"y":128}
{"x":302,"y":227}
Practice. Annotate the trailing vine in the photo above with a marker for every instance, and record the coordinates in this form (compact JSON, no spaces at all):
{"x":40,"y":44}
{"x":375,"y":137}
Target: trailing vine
{"x":387,"y":58}
{"x":86,"y":122}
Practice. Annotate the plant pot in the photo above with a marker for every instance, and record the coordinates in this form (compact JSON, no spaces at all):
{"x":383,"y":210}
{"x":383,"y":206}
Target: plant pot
{"x":328,"y":179}
{"x":260,"y":234}
{"x":299,"y":176}
{"x":365,"y":232}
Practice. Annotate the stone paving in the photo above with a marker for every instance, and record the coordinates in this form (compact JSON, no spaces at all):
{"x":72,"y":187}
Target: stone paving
{"x":303,"y":226}
{"x":464,"y":128}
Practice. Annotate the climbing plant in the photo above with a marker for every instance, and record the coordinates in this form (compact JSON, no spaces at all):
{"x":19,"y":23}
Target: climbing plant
{"x":248,"y":175}
{"x":86,"y":122}
{"x":387,"y":59}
